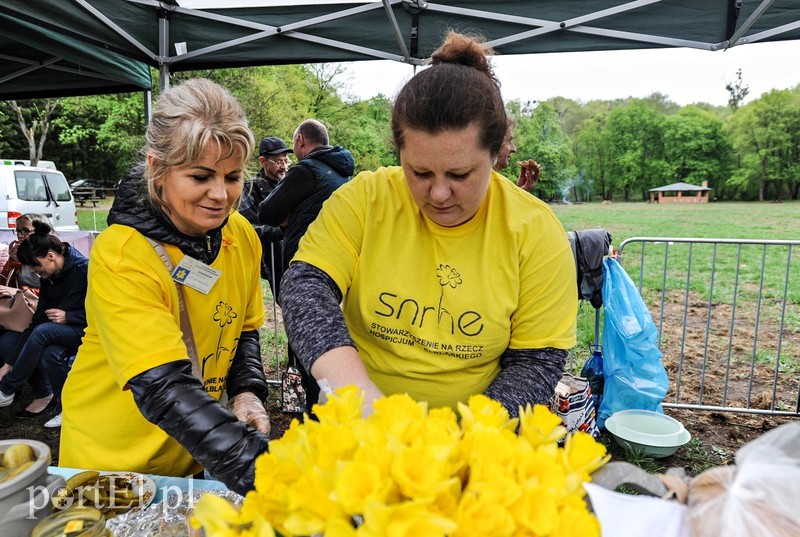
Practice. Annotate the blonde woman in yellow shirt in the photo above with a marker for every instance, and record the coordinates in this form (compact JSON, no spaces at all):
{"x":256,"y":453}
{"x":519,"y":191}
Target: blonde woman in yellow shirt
{"x":134,"y":401}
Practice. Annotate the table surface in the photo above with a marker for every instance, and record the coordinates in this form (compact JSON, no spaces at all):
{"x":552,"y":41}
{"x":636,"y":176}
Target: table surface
{"x":164,"y":484}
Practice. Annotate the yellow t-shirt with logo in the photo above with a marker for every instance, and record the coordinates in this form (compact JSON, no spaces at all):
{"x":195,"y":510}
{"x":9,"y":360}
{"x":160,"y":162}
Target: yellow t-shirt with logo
{"x":430,"y":308}
{"x":133,"y":326}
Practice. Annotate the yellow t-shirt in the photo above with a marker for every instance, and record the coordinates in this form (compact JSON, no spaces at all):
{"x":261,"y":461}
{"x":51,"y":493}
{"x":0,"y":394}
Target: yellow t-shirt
{"x":430,"y":308}
{"x":133,"y":326}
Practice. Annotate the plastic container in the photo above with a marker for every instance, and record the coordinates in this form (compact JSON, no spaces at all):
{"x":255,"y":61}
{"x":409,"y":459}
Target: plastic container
{"x":75,"y":522}
{"x":647,"y":432}
{"x":25,"y":499}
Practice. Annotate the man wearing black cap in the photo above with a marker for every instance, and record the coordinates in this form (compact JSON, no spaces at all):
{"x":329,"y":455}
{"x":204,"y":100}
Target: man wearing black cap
{"x":273,"y":156}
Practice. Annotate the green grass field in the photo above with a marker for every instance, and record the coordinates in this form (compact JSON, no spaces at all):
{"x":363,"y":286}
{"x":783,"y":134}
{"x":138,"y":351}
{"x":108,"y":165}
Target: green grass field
{"x":625,"y":220}
{"x":92,"y":218}
{"x":712,"y":220}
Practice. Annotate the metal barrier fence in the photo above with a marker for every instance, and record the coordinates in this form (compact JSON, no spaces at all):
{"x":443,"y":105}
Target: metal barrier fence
{"x":728,"y":316}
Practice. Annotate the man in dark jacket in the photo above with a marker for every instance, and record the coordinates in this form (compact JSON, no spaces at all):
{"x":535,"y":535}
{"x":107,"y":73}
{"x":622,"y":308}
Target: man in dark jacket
{"x":273,"y":156}
{"x":297,"y":200}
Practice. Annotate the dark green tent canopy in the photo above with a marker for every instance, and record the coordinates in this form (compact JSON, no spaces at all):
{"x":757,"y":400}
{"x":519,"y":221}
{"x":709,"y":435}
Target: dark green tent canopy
{"x":177,"y":35}
{"x":37,"y":62}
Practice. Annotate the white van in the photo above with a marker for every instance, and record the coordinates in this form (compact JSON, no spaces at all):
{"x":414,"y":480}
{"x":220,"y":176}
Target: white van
{"x":49,"y":164}
{"x":24,"y":189}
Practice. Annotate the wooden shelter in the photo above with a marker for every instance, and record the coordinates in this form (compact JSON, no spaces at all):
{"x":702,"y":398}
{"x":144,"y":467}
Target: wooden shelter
{"x":680,"y":193}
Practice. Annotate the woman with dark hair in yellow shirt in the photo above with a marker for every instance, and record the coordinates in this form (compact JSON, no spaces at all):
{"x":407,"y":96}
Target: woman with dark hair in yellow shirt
{"x":452,"y":280}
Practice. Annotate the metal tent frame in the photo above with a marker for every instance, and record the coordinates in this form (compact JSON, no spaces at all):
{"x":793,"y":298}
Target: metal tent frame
{"x":179,"y":35}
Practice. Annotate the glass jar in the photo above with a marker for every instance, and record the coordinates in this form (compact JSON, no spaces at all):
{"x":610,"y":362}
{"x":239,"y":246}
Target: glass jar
{"x":75,"y":522}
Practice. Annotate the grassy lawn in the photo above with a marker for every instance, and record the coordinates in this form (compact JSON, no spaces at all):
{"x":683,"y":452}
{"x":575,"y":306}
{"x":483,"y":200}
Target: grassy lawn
{"x":93,"y":218}
{"x":626,"y":220}
{"x":712,"y":220}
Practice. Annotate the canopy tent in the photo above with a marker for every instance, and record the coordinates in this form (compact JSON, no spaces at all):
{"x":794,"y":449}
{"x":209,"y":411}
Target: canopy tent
{"x":178,"y":35}
{"x":37,"y":62}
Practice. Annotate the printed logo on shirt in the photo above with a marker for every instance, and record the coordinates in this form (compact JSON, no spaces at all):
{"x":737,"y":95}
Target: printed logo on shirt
{"x":464,"y":324}
{"x":215,"y":374}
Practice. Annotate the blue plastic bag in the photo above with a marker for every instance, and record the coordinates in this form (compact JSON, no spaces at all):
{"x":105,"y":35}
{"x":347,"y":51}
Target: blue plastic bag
{"x":634,"y":374}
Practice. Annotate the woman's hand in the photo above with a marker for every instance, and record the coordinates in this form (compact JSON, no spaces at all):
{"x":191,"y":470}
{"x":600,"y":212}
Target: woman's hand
{"x":249,"y":409}
{"x":55,"y":315}
{"x":342,"y":366}
{"x":12,"y":250}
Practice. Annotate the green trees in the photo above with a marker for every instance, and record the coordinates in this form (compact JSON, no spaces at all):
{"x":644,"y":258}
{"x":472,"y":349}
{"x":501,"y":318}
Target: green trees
{"x":696,"y":148}
{"x":34,"y":118}
{"x":635,"y":148}
{"x":98,"y":136}
{"x":766,"y":136}
{"x":638,"y":144}
{"x":539,"y":136}
{"x":600,"y":150}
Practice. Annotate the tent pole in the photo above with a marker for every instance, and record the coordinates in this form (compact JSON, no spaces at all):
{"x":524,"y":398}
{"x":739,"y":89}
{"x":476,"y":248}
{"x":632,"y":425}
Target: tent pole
{"x":148,"y":108}
{"x":163,"y":49}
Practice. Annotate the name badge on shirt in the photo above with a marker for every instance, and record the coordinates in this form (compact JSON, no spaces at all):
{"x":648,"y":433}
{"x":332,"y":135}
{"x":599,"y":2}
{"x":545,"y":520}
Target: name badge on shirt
{"x":196,"y":274}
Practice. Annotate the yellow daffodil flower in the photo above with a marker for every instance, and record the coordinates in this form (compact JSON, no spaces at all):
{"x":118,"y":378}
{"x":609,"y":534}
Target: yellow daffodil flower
{"x":406,"y":471}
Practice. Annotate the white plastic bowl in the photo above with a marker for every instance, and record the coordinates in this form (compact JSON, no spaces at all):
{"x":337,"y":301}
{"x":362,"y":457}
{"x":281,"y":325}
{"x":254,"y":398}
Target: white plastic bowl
{"x":25,"y":499}
{"x":647,"y":432}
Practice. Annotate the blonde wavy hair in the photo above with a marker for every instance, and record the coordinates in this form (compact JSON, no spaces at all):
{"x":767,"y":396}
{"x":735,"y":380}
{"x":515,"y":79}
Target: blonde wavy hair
{"x":186,"y":119}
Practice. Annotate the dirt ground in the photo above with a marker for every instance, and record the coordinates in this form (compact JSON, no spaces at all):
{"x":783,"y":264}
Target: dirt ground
{"x":716,"y":435}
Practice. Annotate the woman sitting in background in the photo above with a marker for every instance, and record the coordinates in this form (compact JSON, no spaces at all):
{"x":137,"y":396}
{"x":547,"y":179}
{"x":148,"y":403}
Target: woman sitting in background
{"x":14,"y":277}
{"x":54,"y":335}
{"x":14,"y":274}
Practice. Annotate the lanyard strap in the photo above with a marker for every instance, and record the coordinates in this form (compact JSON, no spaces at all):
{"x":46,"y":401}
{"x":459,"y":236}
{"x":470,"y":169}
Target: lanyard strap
{"x":186,"y":325}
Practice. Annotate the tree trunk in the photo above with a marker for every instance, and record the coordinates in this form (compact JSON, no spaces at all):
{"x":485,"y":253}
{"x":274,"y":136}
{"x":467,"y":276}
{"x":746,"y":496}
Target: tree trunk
{"x":40,"y":121}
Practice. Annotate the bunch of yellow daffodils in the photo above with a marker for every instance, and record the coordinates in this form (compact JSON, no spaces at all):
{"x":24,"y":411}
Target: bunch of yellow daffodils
{"x":406,"y":471}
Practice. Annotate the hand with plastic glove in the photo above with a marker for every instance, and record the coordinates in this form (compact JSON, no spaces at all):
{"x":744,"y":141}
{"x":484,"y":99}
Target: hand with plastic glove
{"x":248,"y":408}
{"x":342,"y":366}
{"x":370,"y":390}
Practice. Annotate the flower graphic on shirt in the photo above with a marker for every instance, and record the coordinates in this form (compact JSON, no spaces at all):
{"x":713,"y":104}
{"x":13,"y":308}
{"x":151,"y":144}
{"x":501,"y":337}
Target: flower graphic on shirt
{"x":227,"y":242}
{"x":448,"y":277}
{"x":223,"y":315}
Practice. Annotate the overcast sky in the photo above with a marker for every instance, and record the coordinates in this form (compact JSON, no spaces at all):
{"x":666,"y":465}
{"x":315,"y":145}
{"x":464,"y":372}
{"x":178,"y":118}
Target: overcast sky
{"x":685,"y":75}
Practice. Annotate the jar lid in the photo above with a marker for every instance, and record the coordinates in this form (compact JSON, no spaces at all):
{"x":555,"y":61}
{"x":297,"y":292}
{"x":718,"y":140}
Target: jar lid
{"x":73,"y":522}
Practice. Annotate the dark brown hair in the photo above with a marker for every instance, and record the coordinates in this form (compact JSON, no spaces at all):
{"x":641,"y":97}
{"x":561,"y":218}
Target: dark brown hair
{"x":458,"y":89}
{"x":38,"y":244}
